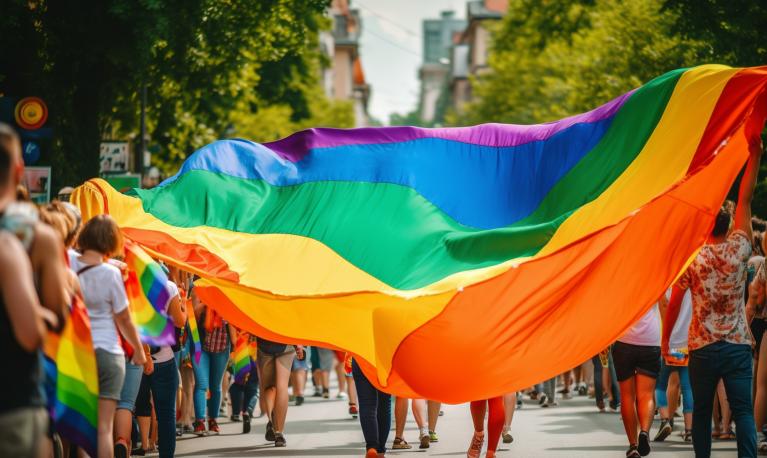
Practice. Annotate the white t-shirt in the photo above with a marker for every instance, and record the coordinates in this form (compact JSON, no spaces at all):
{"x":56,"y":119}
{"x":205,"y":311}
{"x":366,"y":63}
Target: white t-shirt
{"x":681,"y":329}
{"x":646,"y":331}
{"x":104,"y":294}
{"x":166,"y":353}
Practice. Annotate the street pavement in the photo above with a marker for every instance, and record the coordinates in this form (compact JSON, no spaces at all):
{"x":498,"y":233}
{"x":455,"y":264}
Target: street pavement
{"x":322,"y":428}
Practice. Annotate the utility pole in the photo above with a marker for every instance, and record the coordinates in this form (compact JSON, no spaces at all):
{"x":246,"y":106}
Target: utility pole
{"x":142,"y":148}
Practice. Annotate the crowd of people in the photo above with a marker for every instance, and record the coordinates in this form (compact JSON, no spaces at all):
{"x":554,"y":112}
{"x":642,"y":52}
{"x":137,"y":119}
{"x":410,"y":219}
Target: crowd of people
{"x":700,"y":345}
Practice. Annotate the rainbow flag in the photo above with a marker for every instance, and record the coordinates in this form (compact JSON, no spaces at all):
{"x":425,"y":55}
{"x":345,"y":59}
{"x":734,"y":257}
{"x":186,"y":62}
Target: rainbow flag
{"x":148,"y":295}
{"x":516,"y":252}
{"x":243,"y":358}
{"x":72,"y":380}
{"x":193,"y":331}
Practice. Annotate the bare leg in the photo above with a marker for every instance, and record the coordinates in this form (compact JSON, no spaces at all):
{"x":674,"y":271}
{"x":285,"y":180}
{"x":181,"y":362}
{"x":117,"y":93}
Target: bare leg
{"x":645,"y":399}
{"x":400,"y":416}
{"x":122,"y":427}
{"x":105,"y":427}
{"x":478,"y":409}
{"x":299,"y":382}
{"x":339,"y":368}
{"x":352,"y":390}
{"x":509,"y":405}
{"x":282,"y":375}
{"x":725,"y":406}
{"x":420,"y":415}
{"x":628,"y":409}
{"x":433,"y":413}
{"x":144,"y":425}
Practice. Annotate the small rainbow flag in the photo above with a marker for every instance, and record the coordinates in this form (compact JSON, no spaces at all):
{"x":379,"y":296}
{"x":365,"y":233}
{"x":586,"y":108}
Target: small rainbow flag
{"x":72,"y":380}
{"x":195,"y":333}
{"x":148,"y":294}
{"x":243,"y":357}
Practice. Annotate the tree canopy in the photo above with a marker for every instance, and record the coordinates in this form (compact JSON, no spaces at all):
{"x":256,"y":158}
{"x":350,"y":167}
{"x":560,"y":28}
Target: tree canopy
{"x":212,"y":68}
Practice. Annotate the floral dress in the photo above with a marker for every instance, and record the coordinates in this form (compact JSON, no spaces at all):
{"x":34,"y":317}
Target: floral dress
{"x":717,"y":280}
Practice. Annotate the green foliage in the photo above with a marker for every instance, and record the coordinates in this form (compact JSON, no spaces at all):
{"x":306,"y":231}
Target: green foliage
{"x":210,"y":67}
{"x":554,"y":59}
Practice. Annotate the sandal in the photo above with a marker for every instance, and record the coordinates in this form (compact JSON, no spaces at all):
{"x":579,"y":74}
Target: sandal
{"x":727,"y":436}
{"x":687,"y":435}
{"x":633,"y":452}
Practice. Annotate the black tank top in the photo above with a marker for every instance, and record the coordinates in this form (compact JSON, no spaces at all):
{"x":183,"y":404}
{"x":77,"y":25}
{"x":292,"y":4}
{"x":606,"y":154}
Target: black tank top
{"x":21,"y":385}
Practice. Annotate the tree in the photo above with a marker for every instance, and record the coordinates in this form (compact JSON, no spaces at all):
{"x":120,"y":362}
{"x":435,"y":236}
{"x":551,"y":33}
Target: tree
{"x":555,"y":59}
{"x":202,"y":61}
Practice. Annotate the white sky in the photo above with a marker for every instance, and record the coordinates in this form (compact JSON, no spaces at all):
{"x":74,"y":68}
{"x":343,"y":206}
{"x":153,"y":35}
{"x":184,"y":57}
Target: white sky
{"x":390,"y":49}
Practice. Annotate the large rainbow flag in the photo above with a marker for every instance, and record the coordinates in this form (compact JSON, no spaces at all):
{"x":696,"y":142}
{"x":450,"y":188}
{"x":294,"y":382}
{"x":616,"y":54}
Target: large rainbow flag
{"x":456,"y":263}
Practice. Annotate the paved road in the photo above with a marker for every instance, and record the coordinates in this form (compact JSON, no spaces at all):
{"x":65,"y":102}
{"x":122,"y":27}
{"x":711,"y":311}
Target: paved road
{"x":321,"y":428}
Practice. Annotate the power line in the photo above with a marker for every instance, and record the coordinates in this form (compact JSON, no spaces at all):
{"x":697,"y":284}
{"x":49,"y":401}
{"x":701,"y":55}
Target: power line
{"x":393,"y":43}
{"x":390,"y":21}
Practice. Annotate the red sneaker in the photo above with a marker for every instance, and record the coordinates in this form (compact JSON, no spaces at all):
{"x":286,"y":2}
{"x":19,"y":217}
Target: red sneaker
{"x":213,"y":426}
{"x":199,"y":428}
{"x":353,"y":410}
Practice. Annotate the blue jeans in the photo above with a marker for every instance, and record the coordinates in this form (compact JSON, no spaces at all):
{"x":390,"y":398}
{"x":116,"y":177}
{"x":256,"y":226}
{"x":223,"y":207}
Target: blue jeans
{"x":599,"y":389}
{"x":243,"y":395}
{"x":684,"y":381}
{"x":164,"y":384}
{"x":731,"y":363}
{"x":208,"y":375}
{"x":375,"y":411}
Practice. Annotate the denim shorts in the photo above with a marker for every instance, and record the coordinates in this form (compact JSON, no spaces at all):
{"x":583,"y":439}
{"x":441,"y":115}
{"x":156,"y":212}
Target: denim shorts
{"x":130,"y":386}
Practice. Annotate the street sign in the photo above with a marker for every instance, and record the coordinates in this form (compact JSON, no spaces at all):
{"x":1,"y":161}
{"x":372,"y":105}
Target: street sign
{"x":113,"y":157}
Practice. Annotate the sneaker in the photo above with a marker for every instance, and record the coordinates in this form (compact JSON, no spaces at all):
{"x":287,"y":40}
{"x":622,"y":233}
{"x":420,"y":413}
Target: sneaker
{"x":269,"y":432}
{"x":663,"y":431}
{"x":687,"y":435}
{"x":400,"y":444}
{"x":213,"y":426}
{"x":583,"y":390}
{"x":317,"y":393}
{"x":601,"y":406}
{"x":299,"y":400}
{"x":121,"y":450}
{"x":424,"y":439}
{"x":138,"y":451}
{"x":541,"y":399}
{"x":633,"y":452}
{"x":550,"y":403}
{"x":342,"y":395}
{"x":199,"y":428}
{"x":353,"y":411}
{"x":235,"y":418}
{"x":371,"y":453}
{"x":326,"y":393}
{"x":433,"y":436}
{"x":507,"y":438}
{"x":245,"y":423}
{"x":187,"y":429}
{"x":279,"y":440}
{"x":475,"y":448}
{"x":644,"y":443}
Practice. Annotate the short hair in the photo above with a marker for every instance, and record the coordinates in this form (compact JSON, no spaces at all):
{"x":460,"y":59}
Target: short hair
{"x":101,"y":234}
{"x":722,"y":223}
{"x":8,"y":139}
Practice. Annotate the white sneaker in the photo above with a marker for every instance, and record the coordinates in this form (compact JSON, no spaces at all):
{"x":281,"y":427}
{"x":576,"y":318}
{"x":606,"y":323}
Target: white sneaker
{"x":342,"y":395}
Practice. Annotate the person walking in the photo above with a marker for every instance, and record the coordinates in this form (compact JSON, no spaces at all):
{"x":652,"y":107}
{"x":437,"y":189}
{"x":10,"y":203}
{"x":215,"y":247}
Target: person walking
{"x":719,"y":338}
{"x":275,"y":361}
{"x":105,"y":299}
{"x":374,"y":413}
{"x":495,"y":421}
{"x":637,"y":366}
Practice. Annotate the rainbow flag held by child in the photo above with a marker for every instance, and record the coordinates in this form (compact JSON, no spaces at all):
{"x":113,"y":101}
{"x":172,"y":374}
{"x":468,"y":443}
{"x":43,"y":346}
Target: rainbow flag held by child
{"x":243,"y":358}
{"x":72,"y":380}
{"x":148,"y":295}
{"x":194,"y":332}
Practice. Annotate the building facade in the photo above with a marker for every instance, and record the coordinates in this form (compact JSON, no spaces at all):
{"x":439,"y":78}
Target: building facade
{"x":344,"y":79}
{"x":470,"y":52}
{"x":438,"y":37}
